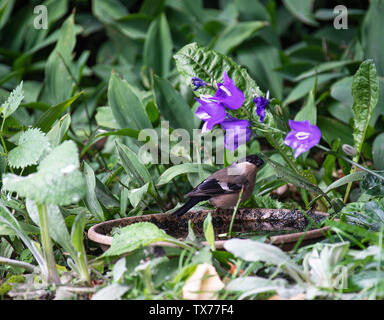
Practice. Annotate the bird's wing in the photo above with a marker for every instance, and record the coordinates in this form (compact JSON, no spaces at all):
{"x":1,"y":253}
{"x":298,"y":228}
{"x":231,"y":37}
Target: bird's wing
{"x":213,"y":187}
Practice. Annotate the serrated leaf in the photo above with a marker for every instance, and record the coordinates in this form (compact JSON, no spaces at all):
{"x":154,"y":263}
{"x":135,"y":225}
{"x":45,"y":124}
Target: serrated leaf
{"x":32,"y":145}
{"x":196,"y":61}
{"x":13,"y":101}
{"x":135,"y":236}
{"x":57,"y":180}
{"x":365,"y":92}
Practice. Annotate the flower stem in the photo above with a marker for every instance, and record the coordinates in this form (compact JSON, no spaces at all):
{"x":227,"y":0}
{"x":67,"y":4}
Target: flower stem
{"x":234,"y":213}
{"x":53,"y":276}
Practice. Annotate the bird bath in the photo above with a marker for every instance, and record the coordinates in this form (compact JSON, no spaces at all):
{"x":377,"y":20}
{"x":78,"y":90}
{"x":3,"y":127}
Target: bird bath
{"x":283,"y":227}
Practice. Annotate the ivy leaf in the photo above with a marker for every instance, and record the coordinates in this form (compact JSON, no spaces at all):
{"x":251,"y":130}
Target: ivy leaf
{"x":13,"y":101}
{"x":365,"y":92}
{"x":32,"y":145}
{"x":57,"y":180}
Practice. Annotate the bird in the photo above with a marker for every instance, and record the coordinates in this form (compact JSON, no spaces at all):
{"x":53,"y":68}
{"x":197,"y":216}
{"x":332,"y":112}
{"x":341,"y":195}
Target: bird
{"x":222,"y":188}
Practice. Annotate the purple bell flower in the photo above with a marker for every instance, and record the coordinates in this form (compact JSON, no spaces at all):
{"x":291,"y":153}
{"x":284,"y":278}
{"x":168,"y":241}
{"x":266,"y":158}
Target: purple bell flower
{"x":261,"y":104}
{"x":237,"y":132}
{"x":303,"y":136}
{"x":228,"y":94}
{"x":197,"y":82}
{"x":210,"y":112}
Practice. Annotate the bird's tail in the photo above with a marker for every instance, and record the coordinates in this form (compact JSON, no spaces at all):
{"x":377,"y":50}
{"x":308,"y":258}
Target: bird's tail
{"x":188,"y":205}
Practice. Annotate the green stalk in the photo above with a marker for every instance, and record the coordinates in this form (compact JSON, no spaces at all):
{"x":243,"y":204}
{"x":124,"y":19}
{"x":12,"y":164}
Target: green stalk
{"x":53,"y":276}
{"x":234,"y":213}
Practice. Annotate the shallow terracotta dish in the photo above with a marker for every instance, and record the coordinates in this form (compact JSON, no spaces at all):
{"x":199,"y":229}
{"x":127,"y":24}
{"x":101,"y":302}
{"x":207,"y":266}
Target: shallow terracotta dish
{"x":247,"y":220}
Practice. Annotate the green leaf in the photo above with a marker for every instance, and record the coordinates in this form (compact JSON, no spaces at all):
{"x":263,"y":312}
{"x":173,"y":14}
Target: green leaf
{"x":158,"y":47}
{"x":355,"y":176}
{"x":378,"y":152}
{"x":372,"y":33}
{"x":309,"y":112}
{"x":135,"y":195}
{"x":31,"y":146}
{"x":209,"y":232}
{"x":57,"y":180}
{"x":253,"y":251}
{"x":57,"y":228}
{"x":134,"y":25}
{"x":196,"y":61}
{"x":108,"y":10}
{"x":91,"y":201}
{"x":172,"y":105}
{"x":127,"y":109}
{"x":59,"y":130}
{"x":104,"y":118}
{"x":132,"y":164}
{"x":135,"y":236}
{"x":58,"y":71}
{"x":49,"y":117}
{"x":291,"y":177}
{"x":302,"y":10}
{"x":13,"y":101}
{"x":365,"y":92}
{"x":234,"y":35}
{"x":179,"y":169}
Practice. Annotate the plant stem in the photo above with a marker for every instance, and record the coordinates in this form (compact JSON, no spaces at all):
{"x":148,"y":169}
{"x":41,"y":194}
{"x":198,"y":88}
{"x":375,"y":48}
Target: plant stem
{"x":20,"y":264}
{"x":53,"y":276}
{"x":234,"y":213}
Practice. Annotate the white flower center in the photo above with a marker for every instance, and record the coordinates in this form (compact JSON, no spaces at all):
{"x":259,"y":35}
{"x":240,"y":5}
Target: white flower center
{"x":301,"y":135}
{"x":226,"y":91}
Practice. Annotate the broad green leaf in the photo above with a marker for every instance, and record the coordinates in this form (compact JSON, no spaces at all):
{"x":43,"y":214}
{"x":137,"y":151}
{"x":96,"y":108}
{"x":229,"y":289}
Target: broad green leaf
{"x":309,"y":112}
{"x":135,"y":236}
{"x":158,"y":47}
{"x":134,"y":25}
{"x":378,"y":152}
{"x":326,"y":66}
{"x":372,"y":33}
{"x":57,"y":228}
{"x":262,"y":59}
{"x":57,"y":180}
{"x":333,"y":129}
{"x":135,"y":195}
{"x":13,"y":101}
{"x":104,"y":118}
{"x":179,"y":169}
{"x":172,"y":105}
{"x":108,"y":10}
{"x":305,"y":86}
{"x":196,"y":61}
{"x":365,"y":91}
{"x":301,"y":10}
{"x":31,"y":146}
{"x":234,"y":35}
{"x":127,"y":108}
{"x":132,"y":164}
{"x":209,"y":232}
{"x":58,"y":70}
{"x":59,"y":130}
{"x":91,"y":201}
{"x":253,"y":251}
{"x":49,"y":117}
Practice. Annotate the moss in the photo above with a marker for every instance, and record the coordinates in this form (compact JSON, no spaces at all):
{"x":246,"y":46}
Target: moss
{"x":7,"y":285}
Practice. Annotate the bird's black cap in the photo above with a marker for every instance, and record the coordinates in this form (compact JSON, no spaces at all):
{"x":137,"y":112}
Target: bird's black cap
{"x":254,"y":159}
